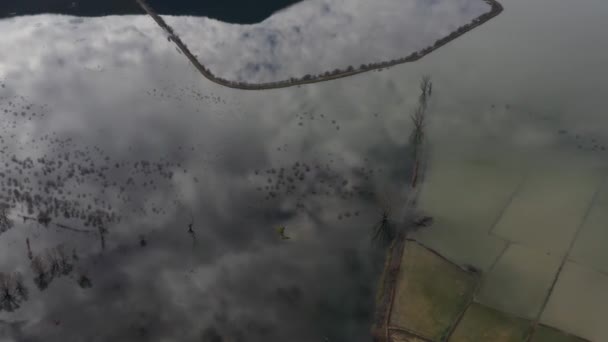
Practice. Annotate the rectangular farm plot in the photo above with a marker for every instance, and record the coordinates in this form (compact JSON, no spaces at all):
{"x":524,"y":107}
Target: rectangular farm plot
{"x":402,"y":336}
{"x":550,"y":206}
{"x":579,"y":303}
{"x":591,"y":245}
{"x":469,"y":194}
{"x":430,"y":293}
{"x":464,"y":247}
{"x":547,"y":334}
{"x":519,"y":282}
{"x":482,"y":324}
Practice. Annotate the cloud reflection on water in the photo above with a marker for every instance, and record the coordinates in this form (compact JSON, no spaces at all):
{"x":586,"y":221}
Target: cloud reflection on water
{"x":316,"y":36}
{"x":114,"y":94}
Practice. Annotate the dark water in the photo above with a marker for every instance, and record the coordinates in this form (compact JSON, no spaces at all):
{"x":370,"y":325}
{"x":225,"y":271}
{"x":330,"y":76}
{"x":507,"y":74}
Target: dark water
{"x":232,"y":11}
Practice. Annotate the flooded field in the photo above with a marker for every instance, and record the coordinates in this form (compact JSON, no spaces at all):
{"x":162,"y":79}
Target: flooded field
{"x":141,"y":202}
{"x":516,"y":183}
{"x":144,"y":202}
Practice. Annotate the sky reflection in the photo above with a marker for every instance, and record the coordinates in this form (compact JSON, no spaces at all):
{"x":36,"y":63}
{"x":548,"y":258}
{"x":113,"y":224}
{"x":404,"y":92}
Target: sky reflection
{"x":117,"y":84}
{"x":108,"y":111}
{"x":316,"y":36}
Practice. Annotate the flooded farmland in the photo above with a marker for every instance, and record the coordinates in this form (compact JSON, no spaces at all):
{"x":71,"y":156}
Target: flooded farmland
{"x":142,"y":202}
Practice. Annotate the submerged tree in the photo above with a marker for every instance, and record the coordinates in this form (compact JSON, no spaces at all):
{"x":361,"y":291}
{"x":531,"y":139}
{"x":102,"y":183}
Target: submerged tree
{"x":53,"y":263}
{"x":74,"y":255}
{"x":20,"y":287}
{"x":84,"y":281}
{"x":8,"y":297}
{"x":102,"y":236}
{"x":54,"y":266}
{"x":12,"y":291}
{"x":383,"y":232}
{"x":30,"y":255}
{"x":191,"y":230}
{"x":42,"y":277}
{"x":65,"y":264}
{"x":418,"y":118}
{"x":5,"y":222}
{"x":44,"y":218}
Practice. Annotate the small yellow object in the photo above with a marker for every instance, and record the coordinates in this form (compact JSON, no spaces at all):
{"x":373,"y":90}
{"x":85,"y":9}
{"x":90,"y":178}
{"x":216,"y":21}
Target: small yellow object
{"x":281,"y":232}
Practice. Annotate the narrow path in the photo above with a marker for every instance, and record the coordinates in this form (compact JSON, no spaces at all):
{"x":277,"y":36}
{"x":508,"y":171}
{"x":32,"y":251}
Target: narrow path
{"x":396,"y":250}
{"x":496,"y":8}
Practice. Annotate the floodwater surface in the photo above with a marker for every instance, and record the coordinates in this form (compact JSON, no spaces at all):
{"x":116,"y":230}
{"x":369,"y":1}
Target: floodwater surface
{"x":144,"y":203}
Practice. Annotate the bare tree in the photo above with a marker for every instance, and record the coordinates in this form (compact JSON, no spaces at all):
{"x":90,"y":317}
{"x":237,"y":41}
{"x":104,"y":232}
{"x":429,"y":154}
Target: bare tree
{"x":12,"y":291}
{"x":74,"y":255}
{"x":53,"y":263}
{"x":42,"y":278}
{"x":425,"y":89}
{"x":22,"y":290}
{"x":417,"y":134}
{"x":30,"y":255}
{"x":84,"y":281}
{"x":418,"y":118}
{"x":383,"y":232}
{"x":65,"y":264}
{"x":191,"y":230}
{"x":44,"y":218}
{"x":5,"y":222}
{"x":102,"y":237}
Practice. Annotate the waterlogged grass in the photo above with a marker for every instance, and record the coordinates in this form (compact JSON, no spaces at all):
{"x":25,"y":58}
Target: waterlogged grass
{"x":431,"y":292}
{"x":519,"y":282}
{"x":551,"y":203}
{"x":468,"y":195}
{"x":590,"y":247}
{"x":482,"y":324}
{"x":462,"y":246}
{"x":579,"y":303}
